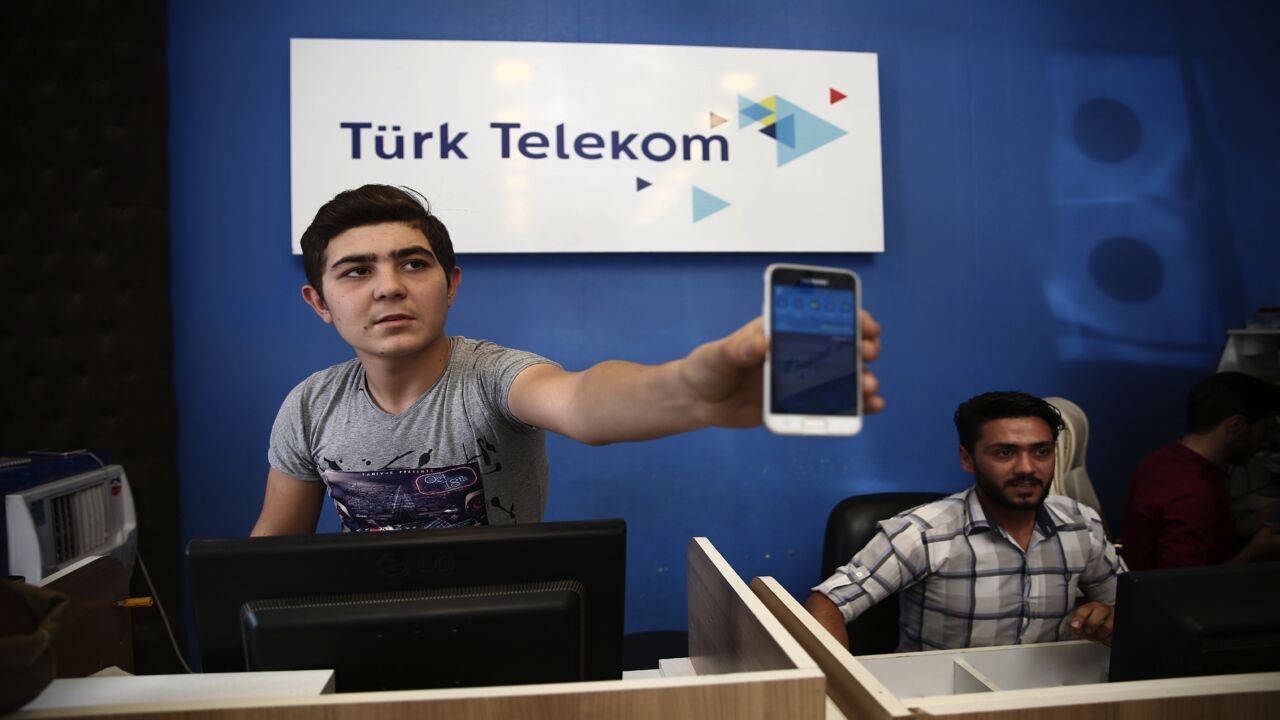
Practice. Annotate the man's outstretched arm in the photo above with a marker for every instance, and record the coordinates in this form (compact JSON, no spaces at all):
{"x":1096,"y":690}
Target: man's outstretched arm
{"x":718,"y":384}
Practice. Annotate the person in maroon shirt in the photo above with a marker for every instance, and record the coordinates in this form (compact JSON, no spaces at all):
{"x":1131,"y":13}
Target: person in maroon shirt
{"x":1178,"y":512}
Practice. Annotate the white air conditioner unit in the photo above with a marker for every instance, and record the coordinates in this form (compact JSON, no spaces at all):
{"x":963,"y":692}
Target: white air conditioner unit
{"x":53,"y":525}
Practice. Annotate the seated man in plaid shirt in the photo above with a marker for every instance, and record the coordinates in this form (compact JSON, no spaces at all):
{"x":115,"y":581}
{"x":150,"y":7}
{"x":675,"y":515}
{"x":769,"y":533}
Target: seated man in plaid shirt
{"x":1000,"y":563}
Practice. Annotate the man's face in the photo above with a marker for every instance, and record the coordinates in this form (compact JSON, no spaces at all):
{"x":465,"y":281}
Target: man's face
{"x":384,"y":290}
{"x":1012,"y":462}
{"x":1253,"y":439}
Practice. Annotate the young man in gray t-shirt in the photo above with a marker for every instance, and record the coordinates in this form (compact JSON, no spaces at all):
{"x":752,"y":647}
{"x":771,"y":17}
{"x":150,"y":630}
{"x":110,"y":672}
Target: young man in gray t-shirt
{"x":426,"y":430}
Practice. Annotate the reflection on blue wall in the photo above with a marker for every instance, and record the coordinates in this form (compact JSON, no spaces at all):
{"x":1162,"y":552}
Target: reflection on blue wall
{"x":1131,"y":213}
{"x":1079,"y":200}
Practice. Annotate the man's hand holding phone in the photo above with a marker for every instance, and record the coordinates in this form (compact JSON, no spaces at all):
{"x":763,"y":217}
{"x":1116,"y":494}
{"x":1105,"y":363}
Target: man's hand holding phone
{"x":725,"y":375}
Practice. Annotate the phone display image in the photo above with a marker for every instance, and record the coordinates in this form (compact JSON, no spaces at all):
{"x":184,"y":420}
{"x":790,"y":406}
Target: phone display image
{"x":813,"y":372}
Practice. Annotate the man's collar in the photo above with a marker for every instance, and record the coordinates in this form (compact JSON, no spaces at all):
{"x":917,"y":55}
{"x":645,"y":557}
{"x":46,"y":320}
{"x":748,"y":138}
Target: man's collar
{"x":1202,"y":450}
{"x":974,"y":517}
{"x":1049,"y":519}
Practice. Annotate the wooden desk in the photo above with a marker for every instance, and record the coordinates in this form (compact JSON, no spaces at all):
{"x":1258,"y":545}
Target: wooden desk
{"x":94,"y":632}
{"x":66,"y":694}
{"x":1049,"y":681}
{"x":749,"y":667}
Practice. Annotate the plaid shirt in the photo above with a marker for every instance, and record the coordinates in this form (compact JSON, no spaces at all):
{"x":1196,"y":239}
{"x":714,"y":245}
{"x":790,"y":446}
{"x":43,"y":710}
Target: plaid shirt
{"x":966,"y":583}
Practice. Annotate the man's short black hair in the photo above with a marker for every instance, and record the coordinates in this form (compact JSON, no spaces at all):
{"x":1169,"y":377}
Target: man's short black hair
{"x":1224,"y":394}
{"x":977,"y":411}
{"x":372,"y":205}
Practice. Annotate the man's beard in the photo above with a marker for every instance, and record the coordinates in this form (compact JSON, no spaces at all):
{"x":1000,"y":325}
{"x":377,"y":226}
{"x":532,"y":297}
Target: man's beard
{"x":994,"y":492}
{"x":1239,"y":453}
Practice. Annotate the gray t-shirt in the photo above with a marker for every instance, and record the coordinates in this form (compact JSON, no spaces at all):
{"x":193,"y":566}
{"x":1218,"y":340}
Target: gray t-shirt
{"x":455,"y":457}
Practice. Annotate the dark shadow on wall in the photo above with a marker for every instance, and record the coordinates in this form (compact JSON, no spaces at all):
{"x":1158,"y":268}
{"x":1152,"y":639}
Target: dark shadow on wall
{"x":1132,"y":410}
{"x":86,"y":343}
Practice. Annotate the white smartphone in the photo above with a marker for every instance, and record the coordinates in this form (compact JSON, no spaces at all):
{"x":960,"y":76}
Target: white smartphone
{"x":813,"y":371}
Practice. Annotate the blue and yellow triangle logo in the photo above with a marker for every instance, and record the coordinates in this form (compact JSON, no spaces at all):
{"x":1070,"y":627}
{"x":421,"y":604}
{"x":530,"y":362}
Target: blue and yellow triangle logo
{"x":797,"y":131}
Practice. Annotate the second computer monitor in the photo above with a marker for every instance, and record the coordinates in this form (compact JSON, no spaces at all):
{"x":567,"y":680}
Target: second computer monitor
{"x":1182,"y":622}
{"x":417,"y":608}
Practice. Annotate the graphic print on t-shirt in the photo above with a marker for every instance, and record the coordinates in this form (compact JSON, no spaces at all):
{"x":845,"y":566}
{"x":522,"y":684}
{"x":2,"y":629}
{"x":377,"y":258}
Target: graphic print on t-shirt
{"x":400,"y":499}
{"x":488,"y":457}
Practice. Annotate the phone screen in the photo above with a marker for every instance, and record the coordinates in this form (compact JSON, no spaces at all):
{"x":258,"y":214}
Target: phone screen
{"x":814,"y":368}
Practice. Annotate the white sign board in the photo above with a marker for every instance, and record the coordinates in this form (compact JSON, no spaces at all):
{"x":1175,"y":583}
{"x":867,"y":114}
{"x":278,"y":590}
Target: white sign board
{"x":570,"y":147}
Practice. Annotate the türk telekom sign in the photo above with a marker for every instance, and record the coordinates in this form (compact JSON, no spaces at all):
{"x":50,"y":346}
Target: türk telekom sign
{"x":549,"y":147}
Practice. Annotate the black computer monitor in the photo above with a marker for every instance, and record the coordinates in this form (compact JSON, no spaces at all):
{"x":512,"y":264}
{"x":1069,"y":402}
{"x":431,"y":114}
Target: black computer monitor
{"x":1184,"y":622}
{"x":416,"y":608}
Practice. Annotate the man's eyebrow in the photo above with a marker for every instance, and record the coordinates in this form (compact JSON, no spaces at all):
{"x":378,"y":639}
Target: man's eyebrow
{"x":351,"y":259}
{"x":410,"y":251}
{"x":1040,"y":443}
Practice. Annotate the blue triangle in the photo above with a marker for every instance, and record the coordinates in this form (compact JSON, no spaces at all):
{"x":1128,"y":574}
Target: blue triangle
{"x":786,"y":132}
{"x":770,"y":130}
{"x":641,"y":184}
{"x":750,"y":111}
{"x":810,"y":132}
{"x":704,"y":204}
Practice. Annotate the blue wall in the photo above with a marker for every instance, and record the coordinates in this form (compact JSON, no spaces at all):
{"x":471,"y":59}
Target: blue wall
{"x":1079,"y":200}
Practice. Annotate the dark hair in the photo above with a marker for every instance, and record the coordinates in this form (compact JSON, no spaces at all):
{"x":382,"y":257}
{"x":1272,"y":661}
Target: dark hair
{"x":977,"y":411}
{"x":1224,"y":394}
{"x":372,"y":205}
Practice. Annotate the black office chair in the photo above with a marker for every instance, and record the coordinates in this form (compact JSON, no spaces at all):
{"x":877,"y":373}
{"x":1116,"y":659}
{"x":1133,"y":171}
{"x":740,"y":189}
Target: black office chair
{"x":850,"y":526}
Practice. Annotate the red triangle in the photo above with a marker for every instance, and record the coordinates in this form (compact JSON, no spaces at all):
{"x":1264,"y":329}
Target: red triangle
{"x":837,"y":96}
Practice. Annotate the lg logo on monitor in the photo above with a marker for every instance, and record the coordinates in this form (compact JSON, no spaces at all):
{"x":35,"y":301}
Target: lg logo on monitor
{"x":396,"y":565}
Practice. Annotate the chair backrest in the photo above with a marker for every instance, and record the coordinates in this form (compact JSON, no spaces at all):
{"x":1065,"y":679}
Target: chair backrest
{"x":850,"y":526}
{"x":1070,"y":478}
{"x":1073,"y":441}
